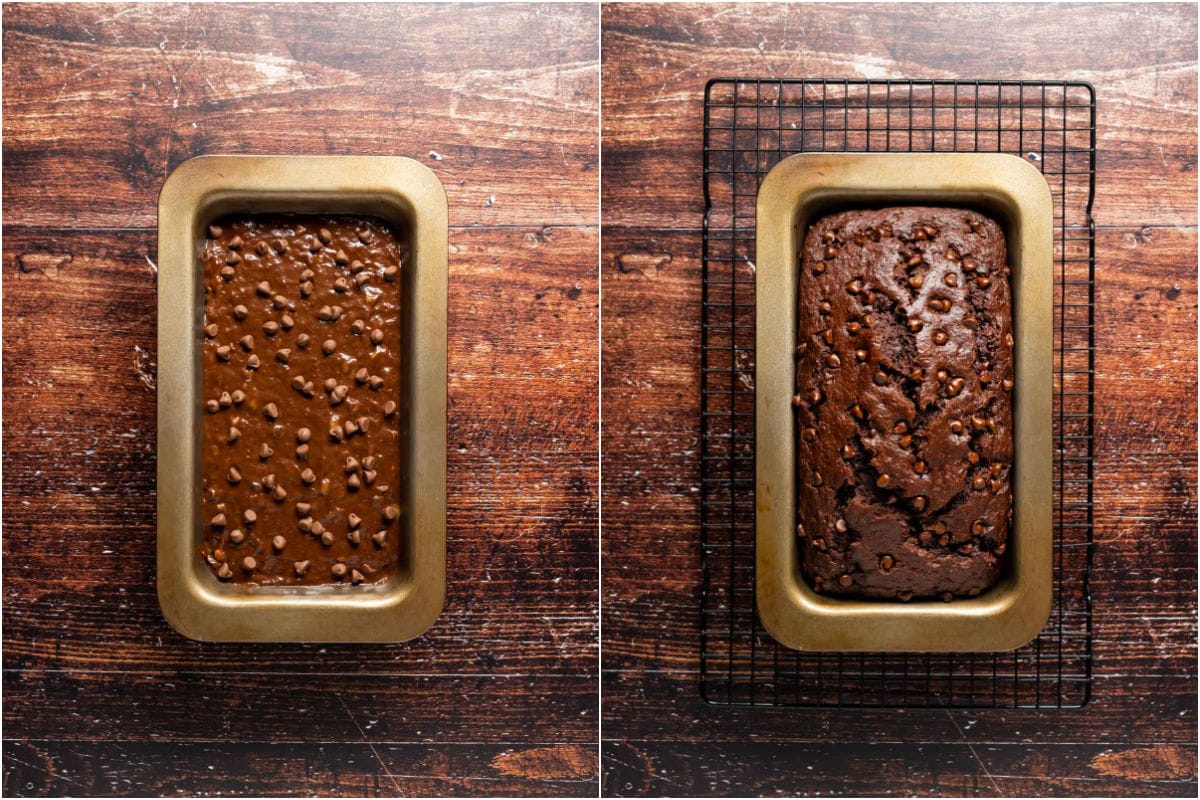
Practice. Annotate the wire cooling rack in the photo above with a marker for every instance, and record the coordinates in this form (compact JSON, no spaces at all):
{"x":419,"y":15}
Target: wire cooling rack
{"x":750,"y":125}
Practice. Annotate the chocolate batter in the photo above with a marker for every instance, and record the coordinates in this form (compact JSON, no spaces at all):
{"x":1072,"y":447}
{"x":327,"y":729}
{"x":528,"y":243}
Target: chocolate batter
{"x":301,"y":376}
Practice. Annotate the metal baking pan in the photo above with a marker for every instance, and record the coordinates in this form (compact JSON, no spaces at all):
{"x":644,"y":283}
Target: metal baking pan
{"x":805,"y":187}
{"x":407,"y":195}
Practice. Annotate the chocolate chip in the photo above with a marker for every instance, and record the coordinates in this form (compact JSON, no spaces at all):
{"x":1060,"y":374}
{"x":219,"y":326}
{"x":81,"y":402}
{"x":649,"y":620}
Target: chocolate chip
{"x":354,"y":537}
{"x":306,"y":289}
{"x":270,"y":328}
{"x":223,"y":352}
{"x":225,"y":400}
{"x":338,"y":570}
{"x":1006,"y":385}
{"x":279,"y":301}
{"x":278,"y":542}
{"x":879,"y":379}
{"x":271,"y":411}
{"x":969,"y":264}
{"x":218,"y":521}
{"x":211,"y":330}
{"x":305,"y":524}
{"x":845,"y":581}
{"x":376,"y":336}
{"x":379,"y":538}
{"x":212,"y":406}
{"x":265,"y":451}
{"x":390,"y":273}
{"x":252,"y":362}
{"x":368,"y":462}
{"x":279,"y":246}
{"x":339,"y":393}
{"x":361,"y":278}
{"x":263,"y":289}
{"x":947,"y":597}
{"x":854,"y":286}
{"x":809,"y":434}
{"x":268,"y":482}
{"x":915,"y":325}
{"x":302,"y":452}
{"x":279,"y":494}
{"x":341,"y":285}
{"x":308,"y":476}
{"x":886,"y":562}
{"x":215,"y":231}
{"x":841,"y":526}
{"x":950,"y":279}
{"x":247,"y":342}
{"x":389,"y":408}
{"x":356,"y":577}
{"x":361,"y":375}
{"x":955,"y":387}
{"x":353,"y":483}
{"x":904,"y":596}
{"x":916,"y":281}
{"x":234,"y":434}
{"x":861,"y":355}
{"x":240,"y":312}
{"x":336,"y":433}
{"x":391,"y":513}
{"x":340,"y":258}
{"x":983,"y":282}
{"x":327,"y":538}
{"x":883,"y":481}
{"x":952,"y":255}
{"x":301,"y":567}
{"x":231,"y":261}
{"x":940,"y":337}
{"x":303,"y":341}
{"x":832,"y":361}
{"x":328,"y":346}
{"x":920,"y":467}
{"x":224,"y":572}
{"x":318,"y":529}
{"x":956,"y":426}
{"x":283,"y":355}
{"x":325,"y":236}
{"x":368,"y":476}
{"x":914,"y":261}
{"x":233,"y":476}
{"x":238,"y":397}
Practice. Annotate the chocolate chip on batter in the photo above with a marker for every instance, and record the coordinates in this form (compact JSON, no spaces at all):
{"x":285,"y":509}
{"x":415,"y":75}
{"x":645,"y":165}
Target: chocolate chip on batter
{"x":223,"y":352}
{"x":376,"y":336}
{"x":265,"y":451}
{"x":271,"y":411}
{"x":328,"y":346}
{"x":252,"y":363}
{"x":375,"y":382}
{"x":283,"y":355}
{"x":263,"y":288}
{"x":338,"y":570}
{"x":379,"y":538}
{"x":308,"y":476}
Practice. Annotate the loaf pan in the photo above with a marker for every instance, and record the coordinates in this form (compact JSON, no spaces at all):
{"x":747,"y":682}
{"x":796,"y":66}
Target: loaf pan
{"x":410,"y":198}
{"x":801,"y":189}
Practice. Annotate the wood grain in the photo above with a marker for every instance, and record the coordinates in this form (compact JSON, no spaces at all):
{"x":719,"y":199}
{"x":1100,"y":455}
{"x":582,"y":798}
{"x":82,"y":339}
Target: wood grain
{"x":100,"y":695}
{"x":108,"y":769}
{"x":1136,"y":736}
{"x":657,"y":62}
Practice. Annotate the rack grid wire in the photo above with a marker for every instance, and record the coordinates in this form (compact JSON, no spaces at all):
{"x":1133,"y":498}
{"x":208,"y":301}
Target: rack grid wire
{"x":749,"y":126}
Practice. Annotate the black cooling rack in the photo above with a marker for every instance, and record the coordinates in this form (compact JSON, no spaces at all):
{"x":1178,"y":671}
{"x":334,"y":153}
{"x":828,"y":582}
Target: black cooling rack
{"x":750,"y":125}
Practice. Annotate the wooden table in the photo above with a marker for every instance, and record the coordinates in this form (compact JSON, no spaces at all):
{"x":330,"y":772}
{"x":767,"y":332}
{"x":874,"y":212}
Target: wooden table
{"x":1138,"y":734}
{"x":100,"y":695}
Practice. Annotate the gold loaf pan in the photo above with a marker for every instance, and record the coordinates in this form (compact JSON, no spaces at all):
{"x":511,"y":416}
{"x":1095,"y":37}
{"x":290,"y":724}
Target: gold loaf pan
{"x":801,"y":189}
{"x":410,"y":198}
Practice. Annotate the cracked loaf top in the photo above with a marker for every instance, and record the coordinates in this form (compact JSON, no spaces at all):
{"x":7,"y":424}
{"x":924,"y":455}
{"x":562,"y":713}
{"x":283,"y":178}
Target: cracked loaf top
{"x":903,"y":403}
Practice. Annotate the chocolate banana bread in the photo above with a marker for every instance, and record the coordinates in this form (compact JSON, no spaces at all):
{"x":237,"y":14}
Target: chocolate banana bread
{"x":904,"y":380}
{"x":301,"y":371}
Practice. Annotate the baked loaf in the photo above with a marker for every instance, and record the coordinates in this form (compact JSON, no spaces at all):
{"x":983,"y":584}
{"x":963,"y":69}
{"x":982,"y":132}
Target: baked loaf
{"x":903,"y":403}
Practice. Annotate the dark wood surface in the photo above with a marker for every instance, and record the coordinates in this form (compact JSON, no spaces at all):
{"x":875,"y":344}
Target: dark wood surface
{"x":100,"y":695}
{"x":1137,"y":735}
